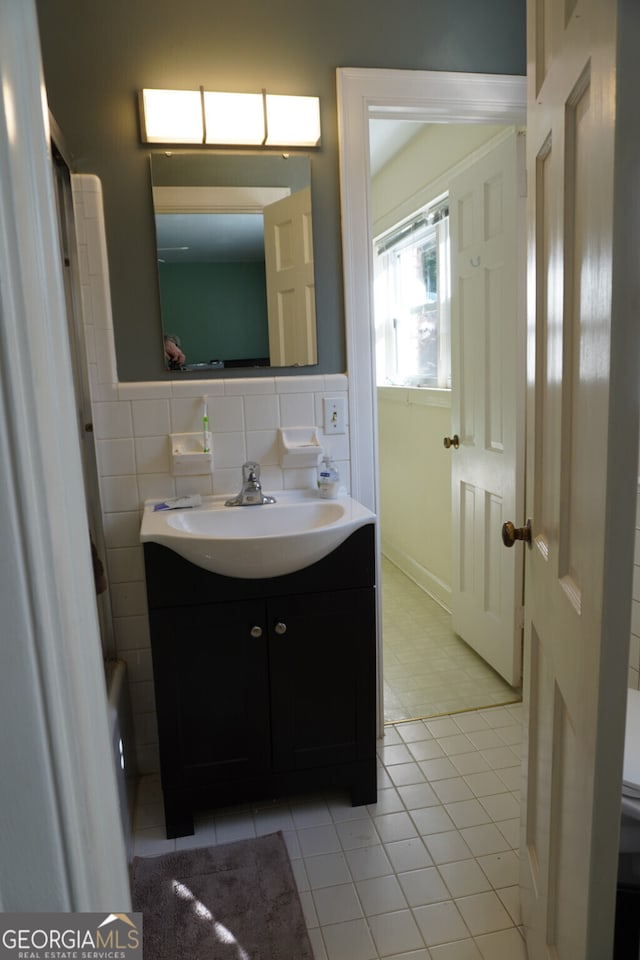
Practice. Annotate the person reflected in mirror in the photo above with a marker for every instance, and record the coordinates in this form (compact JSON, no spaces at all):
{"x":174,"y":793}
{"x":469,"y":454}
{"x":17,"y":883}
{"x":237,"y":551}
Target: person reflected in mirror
{"x":173,"y":354}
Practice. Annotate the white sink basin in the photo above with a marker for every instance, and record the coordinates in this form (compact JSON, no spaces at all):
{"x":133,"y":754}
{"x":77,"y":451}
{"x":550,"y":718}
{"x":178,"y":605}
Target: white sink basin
{"x":268,"y":540}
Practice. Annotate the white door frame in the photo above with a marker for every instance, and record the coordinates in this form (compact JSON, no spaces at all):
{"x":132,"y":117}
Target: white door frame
{"x":363,"y":95}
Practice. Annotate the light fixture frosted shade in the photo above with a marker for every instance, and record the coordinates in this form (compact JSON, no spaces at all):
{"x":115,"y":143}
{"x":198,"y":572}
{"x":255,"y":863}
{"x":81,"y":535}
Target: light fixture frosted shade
{"x":293,"y":121}
{"x":172,"y":116}
{"x":229,"y":119}
{"x":234,"y":118}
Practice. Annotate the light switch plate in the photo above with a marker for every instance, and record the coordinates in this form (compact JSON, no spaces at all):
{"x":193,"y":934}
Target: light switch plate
{"x":334,"y":409}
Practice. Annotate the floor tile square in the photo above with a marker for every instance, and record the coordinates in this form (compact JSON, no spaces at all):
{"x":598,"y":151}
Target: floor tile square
{"x":485,"y":784}
{"x":467,"y":722}
{"x":395,"y":933}
{"x":357,"y":833}
{"x":417,"y":795}
{"x":511,"y":777}
{"x":444,"y":727}
{"x":447,"y":847}
{"x":440,"y":923}
{"x":426,"y":749}
{"x":423,"y":886}
{"x":498,"y":716}
{"x":327,"y":869}
{"x":505,"y":945}
{"x":408,"y":854}
{"x":501,"y":869}
{"x":484,"y":913}
{"x":440,"y":769}
{"x":451,"y":790}
{"x":457,"y":743}
{"x":395,"y":826}
{"x":484,"y":839}
{"x":365,"y":862}
{"x":349,"y":941}
{"x":337,"y":904}
{"x":511,"y":734}
{"x":402,"y":774}
{"x":431,"y":820}
{"x":395,"y":753}
{"x":500,"y":757}
{"x":412,"y":731}
{"x":484,"y":739}
{"x":380,"y":895}
{"x":501,"y":806}
{"x":467,"y":813}
{"x":464,"y":877}
{"x":470,"y":762}
{"x":316,"y":840}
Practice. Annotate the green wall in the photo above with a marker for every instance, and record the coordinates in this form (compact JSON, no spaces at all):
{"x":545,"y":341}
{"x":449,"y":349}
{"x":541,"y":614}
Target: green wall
{"x":219,"y":310}
{"x":96,"y":56}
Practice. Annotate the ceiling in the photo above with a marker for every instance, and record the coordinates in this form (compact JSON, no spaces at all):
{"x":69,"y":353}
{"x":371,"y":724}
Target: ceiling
{"x":388,"y":137}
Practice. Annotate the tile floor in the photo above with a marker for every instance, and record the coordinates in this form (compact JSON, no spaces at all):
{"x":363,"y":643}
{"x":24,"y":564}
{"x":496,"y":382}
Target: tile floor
{"x":429,"y":872}
{"x":428,"y":670}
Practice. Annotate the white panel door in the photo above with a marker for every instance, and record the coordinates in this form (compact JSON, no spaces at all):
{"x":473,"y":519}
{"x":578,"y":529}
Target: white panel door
{"x":487,"y":215}
{"x":581,"y":466}
{"x":288,"y":245}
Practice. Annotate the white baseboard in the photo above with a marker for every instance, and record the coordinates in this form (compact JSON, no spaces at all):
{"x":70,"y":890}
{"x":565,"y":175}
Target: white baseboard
{"x":423,"y":578}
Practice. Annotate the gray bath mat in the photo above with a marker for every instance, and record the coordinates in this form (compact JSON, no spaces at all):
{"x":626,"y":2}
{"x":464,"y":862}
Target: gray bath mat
{"x":236,"y":901}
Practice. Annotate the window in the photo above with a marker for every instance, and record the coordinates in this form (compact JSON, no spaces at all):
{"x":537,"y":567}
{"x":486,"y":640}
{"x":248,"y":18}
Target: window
{"x":412,"y":301}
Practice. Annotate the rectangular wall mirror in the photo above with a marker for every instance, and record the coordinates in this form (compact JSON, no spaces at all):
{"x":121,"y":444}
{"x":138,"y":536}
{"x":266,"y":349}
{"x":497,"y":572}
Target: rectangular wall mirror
{"x":235,"y":260}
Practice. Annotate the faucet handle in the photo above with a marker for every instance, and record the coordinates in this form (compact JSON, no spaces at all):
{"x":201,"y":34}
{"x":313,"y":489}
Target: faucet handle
{"x":250,"y":471}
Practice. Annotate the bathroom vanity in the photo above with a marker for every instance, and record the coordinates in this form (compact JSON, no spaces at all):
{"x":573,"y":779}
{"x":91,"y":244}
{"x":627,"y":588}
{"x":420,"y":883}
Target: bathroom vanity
{"x":264,"y":687}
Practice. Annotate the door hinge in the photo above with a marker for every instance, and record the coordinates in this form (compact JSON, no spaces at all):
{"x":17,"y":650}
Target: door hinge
{"x":520,"y":618}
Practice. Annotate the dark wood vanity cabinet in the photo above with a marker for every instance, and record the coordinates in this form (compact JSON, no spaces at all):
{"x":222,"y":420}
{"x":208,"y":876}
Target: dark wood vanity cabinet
{"x":263,"y":687}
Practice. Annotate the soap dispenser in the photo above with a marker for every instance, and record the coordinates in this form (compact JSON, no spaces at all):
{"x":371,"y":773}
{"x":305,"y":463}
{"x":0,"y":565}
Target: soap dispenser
{"x":328,"y":479}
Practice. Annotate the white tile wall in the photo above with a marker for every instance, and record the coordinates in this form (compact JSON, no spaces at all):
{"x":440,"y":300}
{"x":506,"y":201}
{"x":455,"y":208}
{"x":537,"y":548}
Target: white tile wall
{"x":132,"y":422}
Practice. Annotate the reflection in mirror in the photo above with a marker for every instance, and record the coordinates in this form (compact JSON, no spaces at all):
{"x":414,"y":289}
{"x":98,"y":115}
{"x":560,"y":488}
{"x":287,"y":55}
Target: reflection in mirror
{"x":235,"y":260}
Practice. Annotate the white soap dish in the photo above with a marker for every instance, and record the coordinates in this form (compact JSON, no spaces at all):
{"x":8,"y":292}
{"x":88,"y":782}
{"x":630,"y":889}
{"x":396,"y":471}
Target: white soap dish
{"x":299,"y":446}
{"x":188,"y":455}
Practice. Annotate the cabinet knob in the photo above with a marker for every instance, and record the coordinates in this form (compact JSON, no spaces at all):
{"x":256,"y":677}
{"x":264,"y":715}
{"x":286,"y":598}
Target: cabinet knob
{"x":256,"y":632}
{"x":280,"y":628}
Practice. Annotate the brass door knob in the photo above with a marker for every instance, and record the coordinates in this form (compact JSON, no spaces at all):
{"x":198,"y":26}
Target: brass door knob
{"x":256,"y":632}
{"x":510,"y":533}
{"x":280,"y":628}
{"x":453,"y":441}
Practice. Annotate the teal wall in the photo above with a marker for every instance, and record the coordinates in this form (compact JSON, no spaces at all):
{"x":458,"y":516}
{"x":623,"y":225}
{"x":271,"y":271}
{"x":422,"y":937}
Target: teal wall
{"x":96,"y":56}
{"x":218,"y":310}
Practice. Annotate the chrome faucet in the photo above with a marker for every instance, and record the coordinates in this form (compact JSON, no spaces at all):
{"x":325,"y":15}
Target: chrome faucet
{"x":251,"y":491}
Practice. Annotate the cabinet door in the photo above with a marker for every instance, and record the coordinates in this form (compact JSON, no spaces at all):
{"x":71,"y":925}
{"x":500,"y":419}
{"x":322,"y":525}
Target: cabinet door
{"x":322,"y":655}
{"x":211,"y":679}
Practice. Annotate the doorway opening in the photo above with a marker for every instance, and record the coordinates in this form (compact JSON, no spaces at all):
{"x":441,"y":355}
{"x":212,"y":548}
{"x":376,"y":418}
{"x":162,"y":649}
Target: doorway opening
{"x":429,"y":670}
{"x":365,"y":96}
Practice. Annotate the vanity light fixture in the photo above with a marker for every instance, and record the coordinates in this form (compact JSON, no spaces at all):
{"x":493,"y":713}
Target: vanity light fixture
{"x":229,"y":119}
